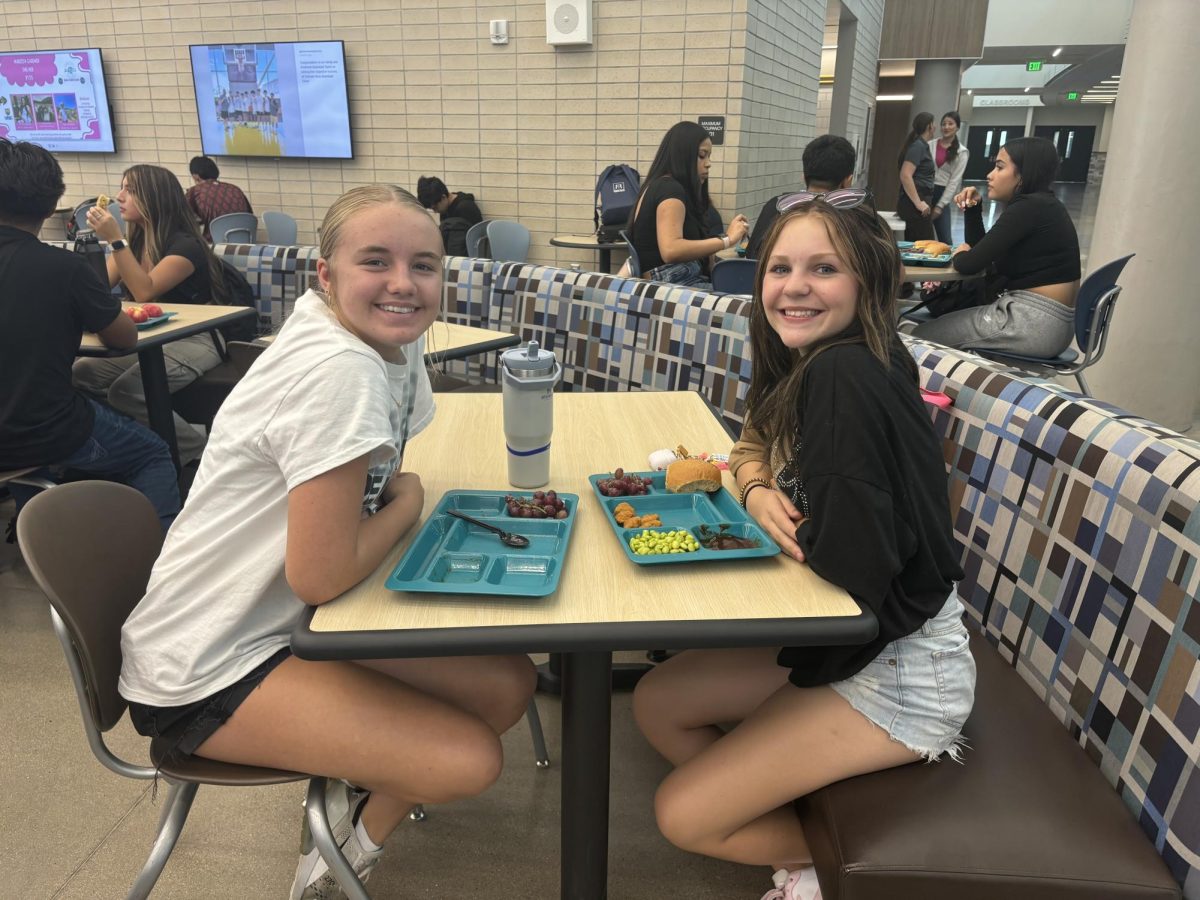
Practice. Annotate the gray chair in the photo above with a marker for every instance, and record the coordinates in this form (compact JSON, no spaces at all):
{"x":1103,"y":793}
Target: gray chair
{"x":1093,"y":312}
{"x":90,"y":546}
{"x":509,"y":240}
{"x":635,"y":264}
{"x":475,"y":235}
{"x":234,"y":228}
{"x":81,"y":212}
{"x":281,"y":228}
{"x":199,"y":401}
{"x":734,"y":276}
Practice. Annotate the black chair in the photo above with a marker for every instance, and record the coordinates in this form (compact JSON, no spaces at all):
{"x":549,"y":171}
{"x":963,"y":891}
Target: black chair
{"x":90,"y":546}
{"x":734,"y":276}
{"x":199,"y":401}
{"x":1093,"y":312}
{"x":635,"y":264}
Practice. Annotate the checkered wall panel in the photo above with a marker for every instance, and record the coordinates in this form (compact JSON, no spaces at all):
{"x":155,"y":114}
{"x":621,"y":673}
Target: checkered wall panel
{"x":1080,"y":528}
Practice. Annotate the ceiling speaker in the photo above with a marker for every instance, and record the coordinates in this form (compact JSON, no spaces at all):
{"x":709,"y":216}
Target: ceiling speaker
{"x":568,"y":22}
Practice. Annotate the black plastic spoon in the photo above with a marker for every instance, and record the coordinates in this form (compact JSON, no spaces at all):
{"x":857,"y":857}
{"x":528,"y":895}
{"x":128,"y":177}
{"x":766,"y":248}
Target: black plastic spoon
{"x":506,"y":537}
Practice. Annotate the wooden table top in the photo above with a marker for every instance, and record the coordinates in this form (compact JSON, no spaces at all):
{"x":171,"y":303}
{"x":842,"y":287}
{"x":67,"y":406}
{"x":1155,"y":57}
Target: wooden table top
{"x":585,"y":242}
{"x":191,"y":318}
{"x":444,"y":340}
{"x":936,"y":273}
{"x":593,"y":432}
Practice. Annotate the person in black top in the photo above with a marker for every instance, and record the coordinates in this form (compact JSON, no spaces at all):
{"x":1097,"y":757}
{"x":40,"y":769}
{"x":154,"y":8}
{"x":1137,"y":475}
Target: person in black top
{"x":1031,"y":257}
{"x":457,"y":212}
{"x":48,"y":298}
{"x":843,"y":468}
{"x":917,"y":173}
{"x":165,"y":259}
{"x":828,"y":165}
{"x":666,"y":226}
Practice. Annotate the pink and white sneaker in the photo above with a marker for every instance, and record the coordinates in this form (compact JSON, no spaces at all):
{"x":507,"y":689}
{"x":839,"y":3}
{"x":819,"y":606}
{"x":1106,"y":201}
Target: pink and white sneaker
{"x":799,"y":885}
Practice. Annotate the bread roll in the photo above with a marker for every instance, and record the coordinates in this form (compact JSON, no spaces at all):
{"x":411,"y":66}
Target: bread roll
{"x":686,"y":476}
{"x":102,"y":201}
{"x":935,"y":248}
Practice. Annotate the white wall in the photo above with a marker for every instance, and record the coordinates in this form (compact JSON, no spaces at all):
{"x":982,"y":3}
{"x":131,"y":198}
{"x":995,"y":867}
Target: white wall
{"x":1019,"y":23}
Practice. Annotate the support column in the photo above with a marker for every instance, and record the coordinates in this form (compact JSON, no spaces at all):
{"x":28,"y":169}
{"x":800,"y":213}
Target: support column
{"x":1152,"y":365}
{"x":935,"y":87}
{"x":843,"y":74}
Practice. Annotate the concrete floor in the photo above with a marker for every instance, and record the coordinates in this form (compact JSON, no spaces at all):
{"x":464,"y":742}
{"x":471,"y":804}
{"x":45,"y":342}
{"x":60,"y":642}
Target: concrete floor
{"x":72,"y":830}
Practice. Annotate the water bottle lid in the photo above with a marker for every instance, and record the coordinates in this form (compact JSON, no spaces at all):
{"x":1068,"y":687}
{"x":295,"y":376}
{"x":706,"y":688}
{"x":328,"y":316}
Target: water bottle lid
{"x":528,"y":360}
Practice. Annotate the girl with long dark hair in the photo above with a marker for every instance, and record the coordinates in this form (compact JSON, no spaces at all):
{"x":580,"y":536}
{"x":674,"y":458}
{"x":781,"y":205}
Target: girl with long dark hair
{"x":165,"y":258}
{"x":842,"y":467}
{"x":950,"y":158}
{"x":667,"y":223}
{"x":917,"y":173}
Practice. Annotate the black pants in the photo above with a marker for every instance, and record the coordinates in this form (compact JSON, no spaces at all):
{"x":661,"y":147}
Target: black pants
{"x":916,"y":226}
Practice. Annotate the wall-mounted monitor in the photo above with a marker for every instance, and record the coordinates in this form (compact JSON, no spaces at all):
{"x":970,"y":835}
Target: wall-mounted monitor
{"x":56,"y":98}
{"x":278,"y":100}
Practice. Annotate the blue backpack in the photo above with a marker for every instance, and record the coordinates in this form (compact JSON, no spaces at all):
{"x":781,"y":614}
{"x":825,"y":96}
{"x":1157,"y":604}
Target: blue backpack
{"x":616,"y":193}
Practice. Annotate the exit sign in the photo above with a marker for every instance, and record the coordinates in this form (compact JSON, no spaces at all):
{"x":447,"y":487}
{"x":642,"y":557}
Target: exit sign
{"x":1072,"y":95}
{"x":1034,"y":65}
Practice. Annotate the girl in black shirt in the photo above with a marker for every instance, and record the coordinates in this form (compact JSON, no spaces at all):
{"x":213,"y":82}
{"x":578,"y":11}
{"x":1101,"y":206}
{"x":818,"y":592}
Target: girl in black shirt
{"x":666,"y":227}
{"x":1030,"y":257}
{"x":917,"y":173}
{"x":844,"y":470}
{"x":165,"y":259}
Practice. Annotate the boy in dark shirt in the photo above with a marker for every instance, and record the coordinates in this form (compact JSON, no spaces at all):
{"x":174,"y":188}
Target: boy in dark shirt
{"x":457,"y":212}
{"x":48,"y":298}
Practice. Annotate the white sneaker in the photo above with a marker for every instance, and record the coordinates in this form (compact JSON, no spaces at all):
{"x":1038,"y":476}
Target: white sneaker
{"x":326,"y":887}
{"x":342,"y":803}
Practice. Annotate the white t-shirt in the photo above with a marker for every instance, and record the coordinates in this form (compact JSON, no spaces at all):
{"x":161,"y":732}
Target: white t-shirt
{"x":218,"y":603}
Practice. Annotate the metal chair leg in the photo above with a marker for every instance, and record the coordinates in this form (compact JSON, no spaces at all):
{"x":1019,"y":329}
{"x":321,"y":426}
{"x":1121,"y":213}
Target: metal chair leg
{"x":170,"y":825}
{"x":535,"y":731}
{"x":322,"y":833}
{"x":1087,"y":391}
{"x":417,"y":813}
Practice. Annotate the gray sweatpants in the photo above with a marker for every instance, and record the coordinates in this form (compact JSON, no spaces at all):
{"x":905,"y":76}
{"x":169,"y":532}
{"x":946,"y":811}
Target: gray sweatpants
{"x":1018,"y":321}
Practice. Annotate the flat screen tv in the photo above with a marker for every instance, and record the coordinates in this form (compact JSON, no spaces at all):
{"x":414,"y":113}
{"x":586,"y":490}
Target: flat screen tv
{"x":56,"y":98}
{"x":279,"y":100}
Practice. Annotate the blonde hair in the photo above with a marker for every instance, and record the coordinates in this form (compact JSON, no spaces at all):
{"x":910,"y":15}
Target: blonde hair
{"x":350,"y":204}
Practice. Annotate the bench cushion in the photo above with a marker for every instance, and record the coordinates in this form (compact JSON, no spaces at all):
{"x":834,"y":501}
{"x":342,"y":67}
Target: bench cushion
{"x":1027,"y":815}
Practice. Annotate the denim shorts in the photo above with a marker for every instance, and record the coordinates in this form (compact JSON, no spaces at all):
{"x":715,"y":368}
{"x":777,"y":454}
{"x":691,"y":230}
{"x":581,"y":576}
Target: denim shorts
{"x":186,"y":727}
{"x":688,"y":274}
{"x":920,"y":688}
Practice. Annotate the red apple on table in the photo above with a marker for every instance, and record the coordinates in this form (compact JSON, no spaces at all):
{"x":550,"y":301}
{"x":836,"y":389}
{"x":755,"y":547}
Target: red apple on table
{"x":152,"y":310}
{"x":136,"y":313}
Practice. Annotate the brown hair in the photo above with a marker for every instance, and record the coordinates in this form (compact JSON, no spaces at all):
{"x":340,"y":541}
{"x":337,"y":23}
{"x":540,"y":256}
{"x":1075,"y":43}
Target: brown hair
{"x":866,"y":247}
{"x":160,"y":199}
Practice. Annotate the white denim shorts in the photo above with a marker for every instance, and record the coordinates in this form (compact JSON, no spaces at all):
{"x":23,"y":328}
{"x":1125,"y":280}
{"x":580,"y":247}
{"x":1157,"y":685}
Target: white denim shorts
{"x":921,"y":687}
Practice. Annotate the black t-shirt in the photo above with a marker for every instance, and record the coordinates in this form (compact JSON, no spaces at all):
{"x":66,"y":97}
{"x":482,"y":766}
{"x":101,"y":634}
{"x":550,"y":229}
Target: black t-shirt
{"x":869,"y":475}
{"x":645,"y":226}
{"x":197,"y":287}
{"x":463,"y":207}
{"x":1033,"y":243}
{"x":918,"y":154}
{"x":48,"y":298}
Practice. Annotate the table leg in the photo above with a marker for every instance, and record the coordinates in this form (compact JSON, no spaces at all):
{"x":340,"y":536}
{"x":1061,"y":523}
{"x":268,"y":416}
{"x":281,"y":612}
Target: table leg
{"x":625,"y":676}
{"x":158,"y":397}
{"x":606,"y":260}
{"x":586,"y":728}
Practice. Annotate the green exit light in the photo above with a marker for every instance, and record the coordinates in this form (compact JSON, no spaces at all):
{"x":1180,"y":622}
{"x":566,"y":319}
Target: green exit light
{"x":1034,"y":65}
{"x":1072,"y":95}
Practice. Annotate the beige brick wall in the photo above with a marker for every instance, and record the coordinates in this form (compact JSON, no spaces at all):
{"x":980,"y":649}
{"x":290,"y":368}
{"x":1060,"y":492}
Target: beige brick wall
{"x":526,"y":127}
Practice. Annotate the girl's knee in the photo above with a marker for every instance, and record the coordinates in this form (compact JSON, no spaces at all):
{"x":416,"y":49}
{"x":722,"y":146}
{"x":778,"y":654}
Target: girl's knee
{"x":678,"y":818}
{"x":467,"y":767}
{"x":653,"y":699}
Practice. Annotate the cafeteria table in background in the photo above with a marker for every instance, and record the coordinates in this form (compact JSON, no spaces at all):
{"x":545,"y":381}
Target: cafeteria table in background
{"x":590,"y":242}
{"x":189,"y":319}
{"x":603,"y":603}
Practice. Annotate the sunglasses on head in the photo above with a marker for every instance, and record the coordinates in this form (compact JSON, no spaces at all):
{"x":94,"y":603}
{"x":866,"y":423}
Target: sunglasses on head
{"x":846,"y":198}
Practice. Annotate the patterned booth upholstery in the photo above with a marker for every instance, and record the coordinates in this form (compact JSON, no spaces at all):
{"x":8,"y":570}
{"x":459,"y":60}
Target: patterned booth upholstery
{"x":1080,"y":533}
{"x":279,"y":274}
{"x":609,"y":333}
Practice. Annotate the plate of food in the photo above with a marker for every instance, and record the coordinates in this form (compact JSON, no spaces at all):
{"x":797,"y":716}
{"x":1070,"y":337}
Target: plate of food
{"x":924,"y":253}
{"x":472,"y":544}
{"x":679,"y":515}
{"x":147,"y":315}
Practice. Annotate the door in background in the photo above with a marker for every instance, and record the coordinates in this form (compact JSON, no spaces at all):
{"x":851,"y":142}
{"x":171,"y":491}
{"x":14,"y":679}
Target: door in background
{"x":984,"y":142}
{"x":1074,"y":143}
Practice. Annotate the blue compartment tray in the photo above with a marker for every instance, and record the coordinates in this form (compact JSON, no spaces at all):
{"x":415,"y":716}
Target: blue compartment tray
{"x":450,"y":556}
{"x":923,"y":259}
{"x":684,"y":512}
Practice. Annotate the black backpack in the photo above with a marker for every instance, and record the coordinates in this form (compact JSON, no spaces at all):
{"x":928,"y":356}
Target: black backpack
{"x":616,"y":193}
{"x":240,"y":294}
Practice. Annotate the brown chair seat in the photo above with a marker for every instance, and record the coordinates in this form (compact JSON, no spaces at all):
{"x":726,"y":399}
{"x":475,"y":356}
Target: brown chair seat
{"x":210,"y":771}
{"x":1027,"y":815}
{"x":199,"y":401}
